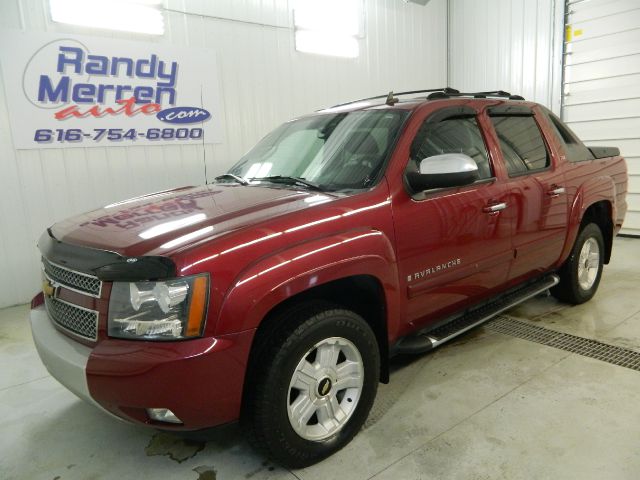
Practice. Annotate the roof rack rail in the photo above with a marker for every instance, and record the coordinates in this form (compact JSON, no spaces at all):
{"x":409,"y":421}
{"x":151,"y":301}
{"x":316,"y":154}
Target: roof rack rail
{"x":434,"y":94}
{"x":390,"y":97}
{"x":492,"y":94}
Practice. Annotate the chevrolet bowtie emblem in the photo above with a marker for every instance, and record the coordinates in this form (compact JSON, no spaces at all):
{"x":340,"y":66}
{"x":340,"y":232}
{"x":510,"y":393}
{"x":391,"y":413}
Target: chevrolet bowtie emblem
{"x":48,"y":289}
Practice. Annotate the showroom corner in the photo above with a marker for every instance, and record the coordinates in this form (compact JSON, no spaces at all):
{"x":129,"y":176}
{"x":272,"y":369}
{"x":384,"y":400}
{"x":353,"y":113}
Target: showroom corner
{"x":263,"y":81}
{"x":319,"y":239}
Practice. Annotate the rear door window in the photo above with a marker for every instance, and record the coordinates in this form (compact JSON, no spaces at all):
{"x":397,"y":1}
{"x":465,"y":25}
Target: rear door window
{"x":521,"y":142}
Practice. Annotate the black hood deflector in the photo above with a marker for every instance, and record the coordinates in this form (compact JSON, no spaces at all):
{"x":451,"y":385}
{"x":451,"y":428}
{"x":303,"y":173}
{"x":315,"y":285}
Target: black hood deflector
{"x":107,"y":266}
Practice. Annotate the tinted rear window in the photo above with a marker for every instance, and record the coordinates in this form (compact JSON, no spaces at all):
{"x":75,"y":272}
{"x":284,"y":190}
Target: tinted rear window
{"x":575,"y":149}
{"x":521,"y":142}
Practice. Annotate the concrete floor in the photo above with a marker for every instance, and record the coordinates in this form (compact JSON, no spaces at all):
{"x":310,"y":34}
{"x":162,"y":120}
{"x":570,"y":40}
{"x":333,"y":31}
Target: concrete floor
{"x":485,"y":406}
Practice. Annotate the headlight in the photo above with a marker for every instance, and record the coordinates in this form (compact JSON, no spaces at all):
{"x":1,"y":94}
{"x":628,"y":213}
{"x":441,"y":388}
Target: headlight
{"x":168,"y":310}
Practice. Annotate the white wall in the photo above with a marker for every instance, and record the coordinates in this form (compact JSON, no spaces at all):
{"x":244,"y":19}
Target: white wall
{"x":263,"y":80}
{"x":512,"y":45}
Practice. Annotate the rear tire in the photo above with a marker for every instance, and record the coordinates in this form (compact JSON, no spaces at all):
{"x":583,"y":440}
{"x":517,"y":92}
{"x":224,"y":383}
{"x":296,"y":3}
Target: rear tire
{"x":580,"y":275}
{"x":312,"y":385}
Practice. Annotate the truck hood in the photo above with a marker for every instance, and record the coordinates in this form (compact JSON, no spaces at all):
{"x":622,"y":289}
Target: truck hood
{"x":164,"y":222}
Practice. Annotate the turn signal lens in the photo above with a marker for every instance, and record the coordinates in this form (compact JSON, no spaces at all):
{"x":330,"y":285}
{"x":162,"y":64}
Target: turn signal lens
{"x":197,"y":307}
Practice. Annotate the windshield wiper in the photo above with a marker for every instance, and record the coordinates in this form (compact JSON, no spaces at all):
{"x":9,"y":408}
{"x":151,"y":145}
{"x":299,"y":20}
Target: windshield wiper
{"x":289,"y":181}
{"x":238,"y":179}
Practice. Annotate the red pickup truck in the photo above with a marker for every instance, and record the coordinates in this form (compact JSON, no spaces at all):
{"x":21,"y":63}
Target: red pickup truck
{"x":277,"y":294}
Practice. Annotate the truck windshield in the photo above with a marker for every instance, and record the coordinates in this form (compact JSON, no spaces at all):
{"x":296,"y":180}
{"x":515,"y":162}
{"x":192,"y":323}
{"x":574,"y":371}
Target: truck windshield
{"x":337,"y":151}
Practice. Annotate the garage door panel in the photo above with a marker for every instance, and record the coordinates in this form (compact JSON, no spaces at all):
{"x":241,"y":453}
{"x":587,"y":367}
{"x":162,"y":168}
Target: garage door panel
{"x":631,"y":225}
{"x":573,"y":97}
{"x":633,"y":201}
{"x":608,"y":25}
{"x":602,"y":110}
{"x":584,"y":11}
{"x":618,"y":85}
{"x":617,"y":129}
{"x":602,"y":69}
{"x":633,"y":164}
{"x":634,"y":184}
{"x":596,"y":51}
{"x":584,"y":46}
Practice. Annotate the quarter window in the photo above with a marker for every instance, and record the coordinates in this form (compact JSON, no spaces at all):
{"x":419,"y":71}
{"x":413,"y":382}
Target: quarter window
{"x":521,"y":142}
{"x":575,"y":149}
{"x":452,"y":135}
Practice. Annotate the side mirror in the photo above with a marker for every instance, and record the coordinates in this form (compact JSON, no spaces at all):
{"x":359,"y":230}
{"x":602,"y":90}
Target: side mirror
{"x":443,"y":171}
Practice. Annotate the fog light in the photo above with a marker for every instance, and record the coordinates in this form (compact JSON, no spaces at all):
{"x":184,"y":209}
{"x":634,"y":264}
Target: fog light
{"x":162,"y":415}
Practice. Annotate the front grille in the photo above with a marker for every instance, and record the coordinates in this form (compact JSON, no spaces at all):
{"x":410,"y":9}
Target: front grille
{"x":78,"y":320}
{"x":80,"y":282}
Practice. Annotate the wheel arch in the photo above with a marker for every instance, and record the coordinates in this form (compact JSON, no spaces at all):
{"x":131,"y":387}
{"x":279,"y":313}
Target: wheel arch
{"x":363,"y":294}
{"x":600,"y":213}
{"x":354,"y":270}
{"x":594,"y":202}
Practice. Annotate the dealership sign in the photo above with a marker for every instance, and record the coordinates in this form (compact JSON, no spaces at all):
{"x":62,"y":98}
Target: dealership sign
{"x":77,"y":91}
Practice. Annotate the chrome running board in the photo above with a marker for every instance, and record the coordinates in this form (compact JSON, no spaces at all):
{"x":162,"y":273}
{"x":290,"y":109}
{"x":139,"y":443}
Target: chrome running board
{"x":430,"y":339}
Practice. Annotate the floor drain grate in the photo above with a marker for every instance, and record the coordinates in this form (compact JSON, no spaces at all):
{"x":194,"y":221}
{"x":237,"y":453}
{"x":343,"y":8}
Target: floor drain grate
{"x":582,"y":346}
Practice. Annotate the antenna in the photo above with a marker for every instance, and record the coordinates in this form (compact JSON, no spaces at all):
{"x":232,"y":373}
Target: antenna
{"x":391,"y":100}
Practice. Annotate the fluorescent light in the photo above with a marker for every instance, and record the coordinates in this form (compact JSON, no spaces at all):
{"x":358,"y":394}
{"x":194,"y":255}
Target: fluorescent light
{"x":328,"y":27}
{"x":260,"y":169}
{"x":246,"y":244}
{"x":310,"y":224}
{"x":317,"y":199}
{"x":187,"y":237}
{"x":141,"y":197}
{"x":171,"y":226}
{"x":335,"y":16}
{"x":349,"y":106}
{"x":325,"y":43}
{"x":141,"y":16}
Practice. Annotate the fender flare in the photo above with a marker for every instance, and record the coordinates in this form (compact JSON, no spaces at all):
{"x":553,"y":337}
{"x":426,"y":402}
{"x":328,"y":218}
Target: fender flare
{"x":271,"y":280}
{"x":592,"y":191}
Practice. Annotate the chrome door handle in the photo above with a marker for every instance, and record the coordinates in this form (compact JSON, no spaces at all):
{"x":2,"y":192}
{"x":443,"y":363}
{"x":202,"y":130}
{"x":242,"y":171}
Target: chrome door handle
{"x":496,"y":207}
{"x":556,"y":191}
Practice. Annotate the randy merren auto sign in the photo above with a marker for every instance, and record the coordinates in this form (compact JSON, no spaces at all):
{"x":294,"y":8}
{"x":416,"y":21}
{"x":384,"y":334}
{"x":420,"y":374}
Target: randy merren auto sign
{"x":76,"y":91}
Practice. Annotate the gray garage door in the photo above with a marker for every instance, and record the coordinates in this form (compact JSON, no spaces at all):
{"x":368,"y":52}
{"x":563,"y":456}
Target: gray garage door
{"x":601,"y":91}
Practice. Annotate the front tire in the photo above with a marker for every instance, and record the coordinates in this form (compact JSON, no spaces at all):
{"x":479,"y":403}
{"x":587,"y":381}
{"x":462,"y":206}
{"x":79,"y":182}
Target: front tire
{"x":580,"y":275}
{"x":314,"y":384}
